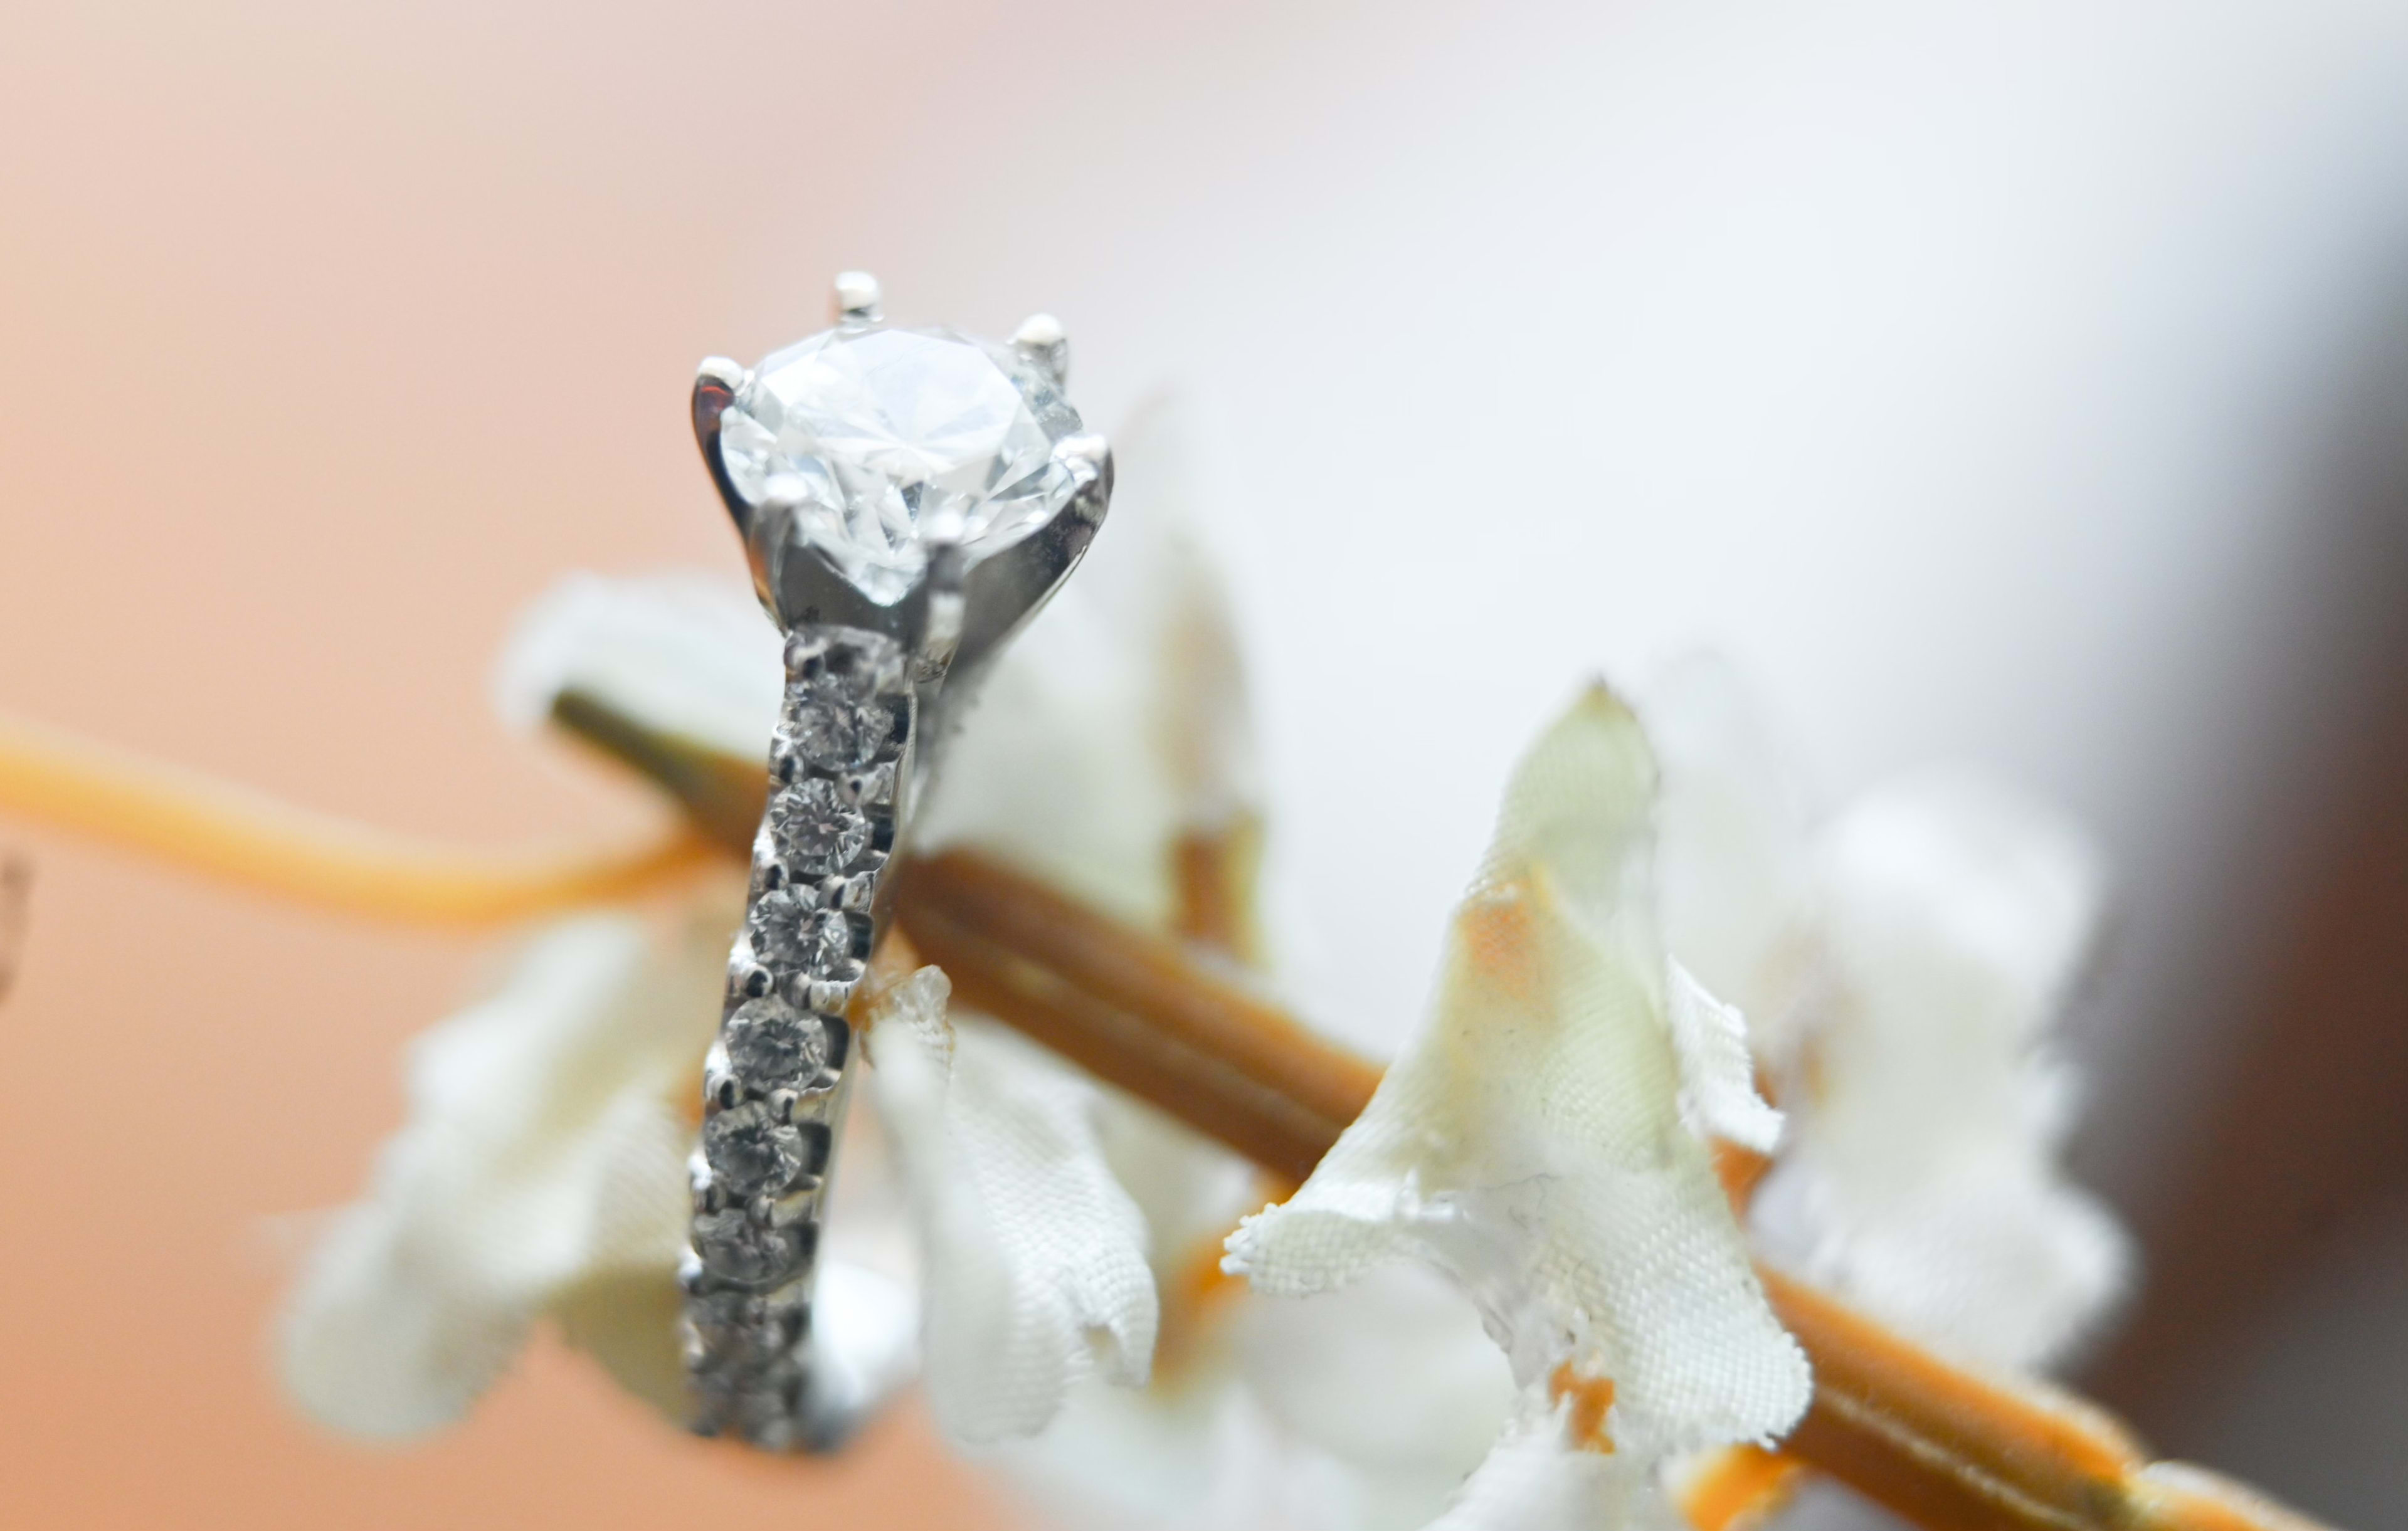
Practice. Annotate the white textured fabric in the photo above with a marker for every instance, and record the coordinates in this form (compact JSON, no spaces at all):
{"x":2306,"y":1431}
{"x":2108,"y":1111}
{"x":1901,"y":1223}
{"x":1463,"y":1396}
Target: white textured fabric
{"x":1113,"y":724}
{"x":1537,"y":1480}
{"x":1911,"y":958}
{"x":1118,"y":719}
{"x":541,"y":1173}
{"x":1054,"y":770}
{"x":540,"y":1137}
{"x":1395,"y":1374}
{"x":1731,"y":861}
{"x":1718,"y":1096}
{"x":1924,"y":1184}
{"x":1529,"y":1141}
{"x":1033,"y":1256}
{"x":1361,"y":1409}
{"x":689,"y":654}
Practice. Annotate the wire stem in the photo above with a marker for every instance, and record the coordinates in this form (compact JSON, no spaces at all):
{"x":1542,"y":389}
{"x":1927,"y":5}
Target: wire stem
{"x":1944,"y":1446}
{"x":61,"y":781}
{"x":1950,"y":1450}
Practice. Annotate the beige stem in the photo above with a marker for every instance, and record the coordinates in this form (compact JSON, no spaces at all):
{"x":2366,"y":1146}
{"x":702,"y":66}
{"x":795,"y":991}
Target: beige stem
{"x":54,"y":779}
{"x":1941,"y":1445}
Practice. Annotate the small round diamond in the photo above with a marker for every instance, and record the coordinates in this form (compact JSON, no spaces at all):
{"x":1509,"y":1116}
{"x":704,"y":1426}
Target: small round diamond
{"x":770,"y":1412}
{"x":751,"y":1149}
{"x":817,"y":832}
{"x":774,"y":1045}
{"x":792,"y":936}
{"x":779,"y":926}
{"x":831,"y":730}
{"x":749,"y":1331}
{"x":737,"y":1249}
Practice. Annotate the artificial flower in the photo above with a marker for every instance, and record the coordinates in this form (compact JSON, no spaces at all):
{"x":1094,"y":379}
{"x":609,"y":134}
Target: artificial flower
{"x":1056,"y":1222}
{"x":542,"y":1172}
{"x":1902,"y":964}
{"x":541,"y":1175}
{"x":1544,"y":1141}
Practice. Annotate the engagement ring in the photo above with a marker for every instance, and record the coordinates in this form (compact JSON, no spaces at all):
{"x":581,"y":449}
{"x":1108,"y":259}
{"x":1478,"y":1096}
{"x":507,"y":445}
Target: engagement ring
{"x":907,"y":499}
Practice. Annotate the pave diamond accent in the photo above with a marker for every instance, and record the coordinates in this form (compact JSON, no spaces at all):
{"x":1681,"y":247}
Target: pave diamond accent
{"x":753,"y":1148}
{"x":758,"y":1330}
{"x":736,"y":1247}
{"x":774,"y":1045}
{"x":776,"y":1080}
{"x":790,"y":930}
{"x":887,"y":439}
{"x":817,"y":831}
{"x":834,"y":732}
{"x":775,"y":925}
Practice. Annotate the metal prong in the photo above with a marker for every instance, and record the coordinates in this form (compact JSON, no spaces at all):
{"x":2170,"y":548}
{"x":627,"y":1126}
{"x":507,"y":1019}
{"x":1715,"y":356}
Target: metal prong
{"x":858,"y":300}
{"x":746,"y":978}
{"x":716,"y":383}
{"x":723,"y":1091}
{"x":1041,"y":339}
{"x":1086,"y":447}
{"x":949,"y":566}
{"x":1090,"y":456}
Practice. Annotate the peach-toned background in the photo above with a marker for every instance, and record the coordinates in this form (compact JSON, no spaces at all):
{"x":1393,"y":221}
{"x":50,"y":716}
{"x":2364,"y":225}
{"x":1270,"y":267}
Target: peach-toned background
{"x":328,"y":338}
{"x":2023,"y":386}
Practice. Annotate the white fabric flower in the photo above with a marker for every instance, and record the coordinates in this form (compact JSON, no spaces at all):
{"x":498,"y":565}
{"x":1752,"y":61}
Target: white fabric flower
{"x":1052,"y":1212}
{"x":1732,"y":864}
{"x":1117,"y":720}
{"x":1531,"y":1143}
{"x":541,"y":1175}
{"x":1034,"y":1255}
{"x":1924,"y":1182}
{"x":1538,"y":1479}
{"x":1049,"y":1205}
{"x":542,"y":1170}
{"x":690,"y":654}
{"x":1903,"y":966}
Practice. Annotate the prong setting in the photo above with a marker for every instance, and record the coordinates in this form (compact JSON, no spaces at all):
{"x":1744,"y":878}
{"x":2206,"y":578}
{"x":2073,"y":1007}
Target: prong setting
{"x":859,"y":299}
{"x":1041,"y":339}
{"x":716,"y":384}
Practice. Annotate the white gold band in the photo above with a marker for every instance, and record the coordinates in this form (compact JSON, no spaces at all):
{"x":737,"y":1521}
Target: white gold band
{"x":776,"y":1080}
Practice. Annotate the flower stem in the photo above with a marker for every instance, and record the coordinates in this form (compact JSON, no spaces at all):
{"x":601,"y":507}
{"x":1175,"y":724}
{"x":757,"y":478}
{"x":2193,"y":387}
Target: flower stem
{"x":1943,"y":1447}
{"x":59,"y":780}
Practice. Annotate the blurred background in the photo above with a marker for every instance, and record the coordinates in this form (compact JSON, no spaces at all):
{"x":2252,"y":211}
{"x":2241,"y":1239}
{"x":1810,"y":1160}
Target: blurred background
{"x":2026,"y":385}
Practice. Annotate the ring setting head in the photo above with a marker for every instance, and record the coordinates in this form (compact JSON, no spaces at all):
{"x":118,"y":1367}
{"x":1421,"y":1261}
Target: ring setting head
{"x":872,"y":465}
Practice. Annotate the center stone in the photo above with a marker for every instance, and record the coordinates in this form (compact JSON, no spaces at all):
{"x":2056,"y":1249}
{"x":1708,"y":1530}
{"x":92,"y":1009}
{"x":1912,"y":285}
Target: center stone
{"x":887,"y":439}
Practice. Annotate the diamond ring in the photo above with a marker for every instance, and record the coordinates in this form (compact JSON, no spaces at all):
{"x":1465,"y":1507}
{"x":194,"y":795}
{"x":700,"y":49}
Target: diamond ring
{"x":907,"y":499}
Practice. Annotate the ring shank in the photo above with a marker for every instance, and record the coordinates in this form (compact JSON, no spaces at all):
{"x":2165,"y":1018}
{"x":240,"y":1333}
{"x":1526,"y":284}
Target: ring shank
{"x":778,"y":1077}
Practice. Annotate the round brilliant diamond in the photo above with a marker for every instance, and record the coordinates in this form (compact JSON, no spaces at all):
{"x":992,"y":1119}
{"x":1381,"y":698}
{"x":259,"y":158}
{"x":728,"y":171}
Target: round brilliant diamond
{"x":751,"y":1149}
{"x":817,"y":831}
{"x":884,"y":436}
{"x":775,"y":1046}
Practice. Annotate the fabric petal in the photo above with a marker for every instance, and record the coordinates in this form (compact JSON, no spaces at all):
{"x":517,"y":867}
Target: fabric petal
{"x":688,"y":655}
{"x":1033,"y":1256}
{"x":1118,"y":721}
{"x":1393,"y":1374}
{"x":1924,"y":1182}
{"x":1718,"y":1096}
{"x":1529,"y":1141}
{"x":1536,"y":1480}
{"x":1733,"y":864}
{"x":543,"y":1150}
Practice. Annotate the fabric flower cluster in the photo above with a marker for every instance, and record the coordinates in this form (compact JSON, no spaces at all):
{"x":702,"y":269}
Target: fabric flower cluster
{"x":1509,"y":1295}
